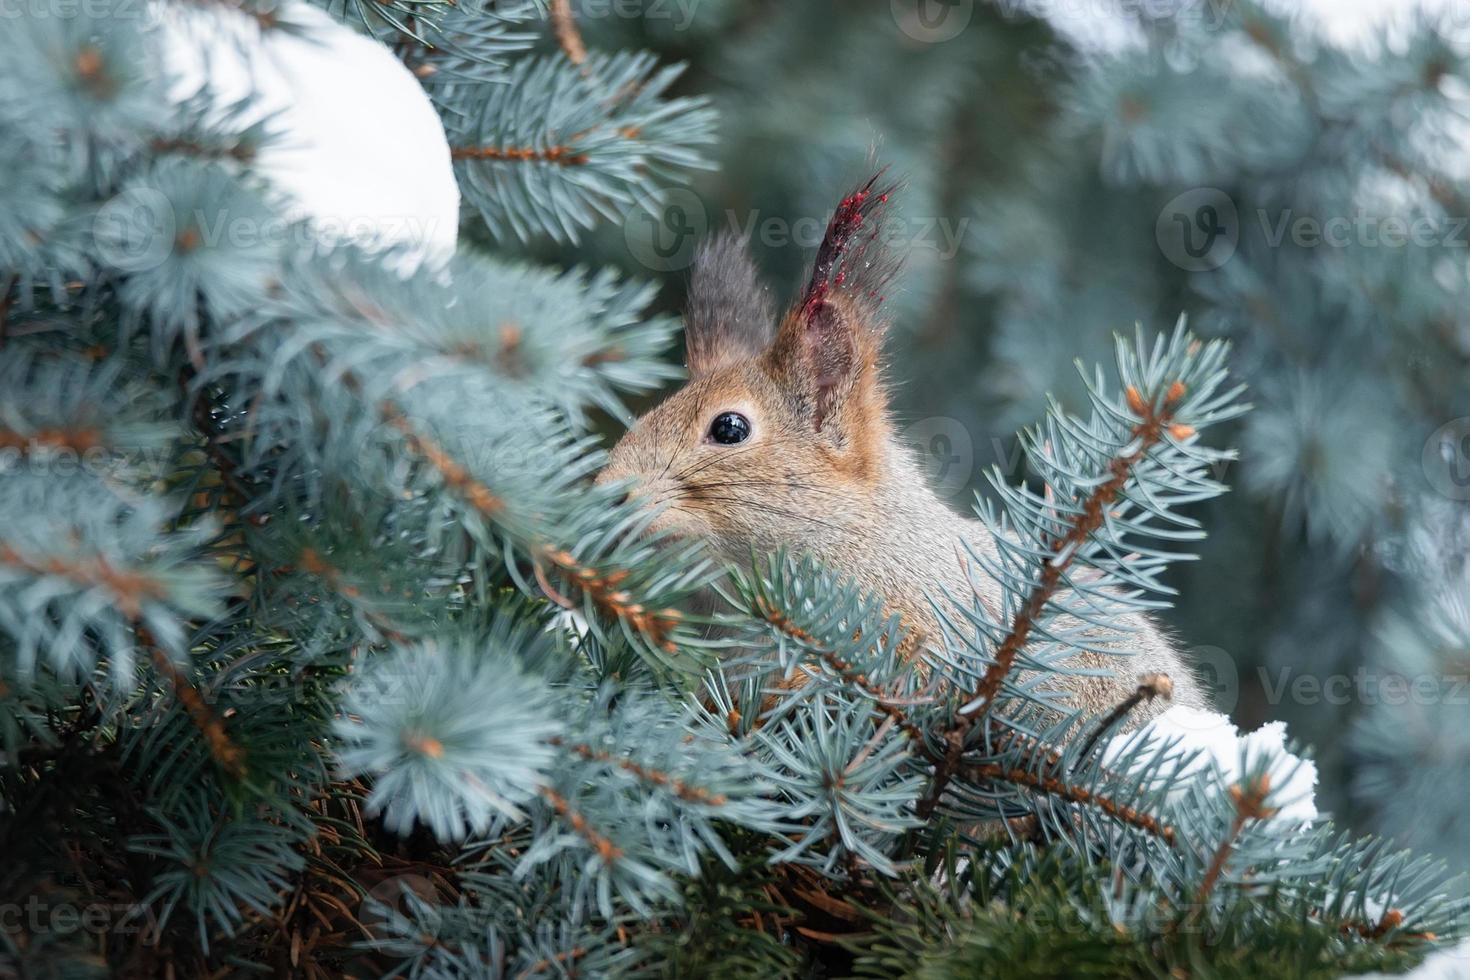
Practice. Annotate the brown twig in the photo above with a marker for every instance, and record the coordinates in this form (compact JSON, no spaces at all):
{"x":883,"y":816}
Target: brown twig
{"x":455,"y":476}
{"x":605,"y":848}
{"x":1150,"y":686}
{"x":604,"y":590}
{"x":560,"y":154}
{"x":602,"y":587}
{"x":229,"y":756}
{"x":312,"y":562}
{"x":1250,"y":805}
{"x":564,"y":26}
{"x":681,"y":789}
{"x":239,"y":152}
{"x":1147,"y":433}
{"x":537,"y":968}
{"x":843,"y":669}
{"x":1391,"y":920}
{"x":130,"y":590}
{"x":1053,"y":786}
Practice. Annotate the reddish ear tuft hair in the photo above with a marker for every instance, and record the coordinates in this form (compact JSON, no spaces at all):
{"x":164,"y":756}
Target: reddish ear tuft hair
{"x":851,"y":261}
{"x":828,"y":349}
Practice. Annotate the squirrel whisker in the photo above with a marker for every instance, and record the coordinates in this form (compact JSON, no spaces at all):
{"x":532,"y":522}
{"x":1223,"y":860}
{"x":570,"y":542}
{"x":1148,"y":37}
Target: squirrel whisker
{"x":760,"y":505}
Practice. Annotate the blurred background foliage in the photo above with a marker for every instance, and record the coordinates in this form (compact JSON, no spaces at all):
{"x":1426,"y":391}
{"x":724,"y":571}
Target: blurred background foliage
{"x":1065,"y":178}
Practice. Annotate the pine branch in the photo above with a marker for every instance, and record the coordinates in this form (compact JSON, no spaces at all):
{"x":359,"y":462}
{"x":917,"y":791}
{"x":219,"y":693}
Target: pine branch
{"x":844,"y":669}
{"x":563,"y":155}
{"x":1148,"y":432}
{"x":455,"y":476}
{"x":229,"y":473}
{"x":654,"y":777}
{"x":1053,"y":786}
{"x":130,"y":589}
{"x":229,"y":756}
{"x":312,"y":562}
{"x":1250,"y":805}
{"x":605,"y":848}
{"x":604,"y":590}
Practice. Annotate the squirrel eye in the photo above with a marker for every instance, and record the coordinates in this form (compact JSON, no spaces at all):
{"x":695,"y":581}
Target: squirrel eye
{"x":729,"y":428}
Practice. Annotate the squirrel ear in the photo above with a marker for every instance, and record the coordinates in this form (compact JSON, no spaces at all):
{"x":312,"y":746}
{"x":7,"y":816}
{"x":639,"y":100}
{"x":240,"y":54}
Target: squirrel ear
{"x":729,"y":318}
{"x":827,"y":350}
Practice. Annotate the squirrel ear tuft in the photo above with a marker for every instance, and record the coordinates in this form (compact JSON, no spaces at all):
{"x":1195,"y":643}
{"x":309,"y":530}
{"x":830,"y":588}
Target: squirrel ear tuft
{"x":729,"y":318}
{"x":827,"y":350}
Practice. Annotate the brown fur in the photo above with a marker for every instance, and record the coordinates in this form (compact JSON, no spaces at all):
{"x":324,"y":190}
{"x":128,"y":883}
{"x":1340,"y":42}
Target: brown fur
{"x":822,"y":472}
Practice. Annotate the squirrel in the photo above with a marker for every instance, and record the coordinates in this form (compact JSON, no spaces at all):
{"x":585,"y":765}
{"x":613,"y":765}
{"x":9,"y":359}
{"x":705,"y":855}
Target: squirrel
{"x":782,"y":438}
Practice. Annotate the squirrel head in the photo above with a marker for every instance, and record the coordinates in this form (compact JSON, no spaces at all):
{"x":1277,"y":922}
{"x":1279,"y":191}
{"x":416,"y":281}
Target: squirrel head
{"x":782,"y":427}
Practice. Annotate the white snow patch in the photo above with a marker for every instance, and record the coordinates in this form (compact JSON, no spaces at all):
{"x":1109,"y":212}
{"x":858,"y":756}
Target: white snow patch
{"x":1447,"y":964}
{"x":1112,"y":25}
{"x":360,"y":150}
{"x":1233,"y":754}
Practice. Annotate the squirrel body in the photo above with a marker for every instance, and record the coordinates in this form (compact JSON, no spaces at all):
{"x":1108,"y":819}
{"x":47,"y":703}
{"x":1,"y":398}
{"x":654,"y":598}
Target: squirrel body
{"x":782,"y":439}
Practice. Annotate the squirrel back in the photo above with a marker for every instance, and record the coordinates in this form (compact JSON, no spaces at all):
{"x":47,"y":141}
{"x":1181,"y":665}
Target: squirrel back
{"x":782,"y":439}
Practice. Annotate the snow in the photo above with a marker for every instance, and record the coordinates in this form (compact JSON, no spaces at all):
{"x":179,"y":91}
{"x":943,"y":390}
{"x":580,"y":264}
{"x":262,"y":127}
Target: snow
{"x":1293,"y":779}
{"x":1447,"y":964}
{"x":1104,"y":25}
{"x":360,"y":149}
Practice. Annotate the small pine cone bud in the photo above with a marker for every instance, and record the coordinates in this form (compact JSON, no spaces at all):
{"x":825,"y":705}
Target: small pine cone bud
{"x":1136,"y":404}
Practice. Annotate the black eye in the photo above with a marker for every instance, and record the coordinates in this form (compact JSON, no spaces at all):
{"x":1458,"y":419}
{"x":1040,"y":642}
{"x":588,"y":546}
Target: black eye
{"x":728,"y":428}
